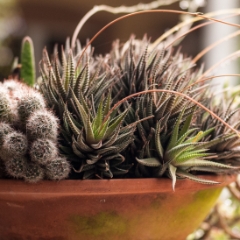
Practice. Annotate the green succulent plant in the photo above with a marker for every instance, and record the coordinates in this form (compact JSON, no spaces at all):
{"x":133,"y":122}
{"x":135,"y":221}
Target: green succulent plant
{"x":134,"y":111}
{"x":90,"y":137}
{"x":156,"y":133}
{"x":185,"y":153}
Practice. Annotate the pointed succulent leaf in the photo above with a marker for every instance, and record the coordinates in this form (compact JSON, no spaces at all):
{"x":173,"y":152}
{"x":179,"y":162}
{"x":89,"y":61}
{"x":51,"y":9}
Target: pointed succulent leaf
{"x":107,"y":104}
{"x":186,"y":126}
{"x":201,"y":162}
{"x":211,"y":143}
{"x":97,"y":122}
{"x":70,"y":122}
{"x":192,"y":177}
{"x":175,"y":132}
{"x":115,"y":124}
{"x":102,"y":131}
{"x":112,"y":139}
{"x":200,"y":135}
{"x":77,"y":86}
{"x":172,"y":172}
{"x":60,"y":85}
{"x":83,"y":114}
{"x":77,"y":152}
{"x":158,"y":144}
{"x":149,"y":162}
{"x":82,"y":145}
{"x":178,"y":149}
{"x":185,"y":135}
{"x":185,"y":156}
{"x":83,"y":168}
{"x":90,"y":138}
{"x":119,"y":171}
{"x":96,"y":145}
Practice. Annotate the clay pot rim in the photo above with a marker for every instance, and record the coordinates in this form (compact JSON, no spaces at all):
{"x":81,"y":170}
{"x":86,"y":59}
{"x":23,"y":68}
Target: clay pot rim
{"x":112,"y":186}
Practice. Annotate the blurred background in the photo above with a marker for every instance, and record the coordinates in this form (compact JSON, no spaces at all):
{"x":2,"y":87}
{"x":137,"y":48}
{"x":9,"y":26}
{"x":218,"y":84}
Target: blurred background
{"x":49,"y":22}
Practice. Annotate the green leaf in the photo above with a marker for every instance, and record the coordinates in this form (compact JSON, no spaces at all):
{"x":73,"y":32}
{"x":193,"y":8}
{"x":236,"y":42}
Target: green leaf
{"x":83,"y":114}
{"x":102,"y":132}
{"x":178,"y":149}
{"x":82,"y":145}
{"x":97,"y":122}
{"x":200,"y":135}
{"x":174,"y":135}
{"x":158,"y":144}
{"x":90,"y":138}
{"x":185,"y":156}
{"x":70,"y":122}
{"x":115,"y":124}
{"x":201,"y":162}
{"x":185,"y":135}
{"x":76,"y":150}
{"x":149,"y":162}
{"x":186,"y":126}
{"x":60,"y":85}
{"x":190,"y":176}
{"x":107,"y":104}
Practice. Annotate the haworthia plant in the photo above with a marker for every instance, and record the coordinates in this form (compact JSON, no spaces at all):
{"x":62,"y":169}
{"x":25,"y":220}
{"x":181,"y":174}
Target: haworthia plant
{"x":172,"y":140}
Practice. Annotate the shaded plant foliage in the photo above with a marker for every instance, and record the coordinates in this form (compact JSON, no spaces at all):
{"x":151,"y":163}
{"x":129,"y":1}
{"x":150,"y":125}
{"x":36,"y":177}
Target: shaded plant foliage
{"x":154,"y":134}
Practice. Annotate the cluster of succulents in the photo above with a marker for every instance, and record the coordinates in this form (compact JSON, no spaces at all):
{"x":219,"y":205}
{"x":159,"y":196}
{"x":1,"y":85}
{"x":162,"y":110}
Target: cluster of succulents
{"x":141,"y":110}
{"x":122,"y":115}
{"x":28,"y":135}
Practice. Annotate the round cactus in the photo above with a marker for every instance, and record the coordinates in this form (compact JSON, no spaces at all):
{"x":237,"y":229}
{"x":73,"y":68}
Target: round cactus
{"x":42,"y":151}
{"x":42,"y":124}
{"x":58,"y":169}
{"x":14,"y":144}
{"x":5,"y":107}
{"x":15,"y":88}
{"x":16,"y":166}
{"x":33,"y":173}
{"x":5,"y":129}
{"x":29,"y":104}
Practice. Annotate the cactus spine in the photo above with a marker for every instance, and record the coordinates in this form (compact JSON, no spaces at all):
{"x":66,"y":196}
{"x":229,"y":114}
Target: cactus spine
{"x":42,"y":124}
{"x":28,"y":143}
{"x":14,"y":144}
{"x":5,"y":129}
{"x":42,"y":151}
{"x":57,"y":169}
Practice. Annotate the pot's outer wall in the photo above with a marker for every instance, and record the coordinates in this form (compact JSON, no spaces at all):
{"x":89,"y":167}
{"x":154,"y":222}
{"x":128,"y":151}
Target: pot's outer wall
{"x":130,"y":209}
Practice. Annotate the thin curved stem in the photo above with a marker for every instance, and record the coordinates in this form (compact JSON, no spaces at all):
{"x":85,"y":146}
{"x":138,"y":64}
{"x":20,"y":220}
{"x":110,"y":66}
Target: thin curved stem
{"x":117,"y":10}
{"x":176,"y":93}
{"x":197,"y":27}
{"x":230,"y":56}
{"x":190,"y":21}
{"x":207,"y":49}
{"x":210,"y":78}
{"x":187,"y":32}
{"x":152,"y":11}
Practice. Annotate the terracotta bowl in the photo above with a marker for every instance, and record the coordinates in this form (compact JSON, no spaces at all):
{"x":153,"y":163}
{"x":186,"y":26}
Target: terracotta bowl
{"x":129,"y":209}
